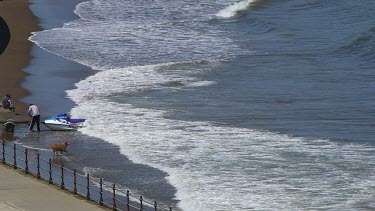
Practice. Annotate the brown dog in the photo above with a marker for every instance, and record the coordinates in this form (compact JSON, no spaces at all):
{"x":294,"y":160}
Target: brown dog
{"x":59,"y":147}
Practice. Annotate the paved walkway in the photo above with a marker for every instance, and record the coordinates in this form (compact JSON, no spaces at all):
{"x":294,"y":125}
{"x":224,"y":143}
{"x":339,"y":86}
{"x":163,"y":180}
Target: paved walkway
{"x":23,"y":192}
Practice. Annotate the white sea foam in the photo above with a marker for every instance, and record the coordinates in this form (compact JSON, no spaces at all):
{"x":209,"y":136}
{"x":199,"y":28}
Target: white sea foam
{"x":212,"y":167}
{"x":224,"y":168}
{"x":34,"y":148}
{"x":221,"y":168}
{"x":114,"y":81}
{"x":111,"y":35}
{"x":233,"y":9}
{"x":201,"y":83}
{"x":92,"y":170}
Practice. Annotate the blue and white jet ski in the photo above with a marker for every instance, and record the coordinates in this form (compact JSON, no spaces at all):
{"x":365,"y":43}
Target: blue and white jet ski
{"x":64,"y":122}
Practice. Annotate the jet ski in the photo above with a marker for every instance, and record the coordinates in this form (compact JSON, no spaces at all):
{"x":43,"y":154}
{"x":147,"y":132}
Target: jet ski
{"x":64,"y":122}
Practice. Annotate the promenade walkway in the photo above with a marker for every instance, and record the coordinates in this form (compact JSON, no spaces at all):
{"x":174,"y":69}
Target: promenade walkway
{"x":23,"y":192}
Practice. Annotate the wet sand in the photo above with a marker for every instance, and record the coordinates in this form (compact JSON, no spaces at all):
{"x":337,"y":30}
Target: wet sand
{"x":47,"y":69}
{"x":20,"y":192}
{"x":21,"y":23}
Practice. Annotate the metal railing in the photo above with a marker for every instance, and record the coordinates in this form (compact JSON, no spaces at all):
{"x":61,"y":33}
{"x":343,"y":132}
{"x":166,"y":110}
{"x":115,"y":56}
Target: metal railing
{"x":92,"y":189}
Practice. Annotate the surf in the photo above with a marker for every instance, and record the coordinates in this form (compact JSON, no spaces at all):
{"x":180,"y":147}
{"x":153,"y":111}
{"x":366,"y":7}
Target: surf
{"x":234,"y":9}
{"x":225,"y":159}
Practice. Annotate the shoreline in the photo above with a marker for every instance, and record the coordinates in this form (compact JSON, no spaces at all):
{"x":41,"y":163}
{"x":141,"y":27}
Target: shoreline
{"x":46,"y":69}
{"x":51,"y":70}
{"x":17,"y":55}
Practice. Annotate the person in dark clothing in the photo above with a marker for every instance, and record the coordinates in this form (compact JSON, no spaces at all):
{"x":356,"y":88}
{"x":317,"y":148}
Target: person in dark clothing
{"x":7,"y":103}
{"x":35,"y":114}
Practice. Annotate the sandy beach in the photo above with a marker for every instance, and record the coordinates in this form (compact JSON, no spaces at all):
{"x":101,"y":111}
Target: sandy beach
{"x":27,"y":70}
{"x":21,"y":23}
{"x":20,"y":192}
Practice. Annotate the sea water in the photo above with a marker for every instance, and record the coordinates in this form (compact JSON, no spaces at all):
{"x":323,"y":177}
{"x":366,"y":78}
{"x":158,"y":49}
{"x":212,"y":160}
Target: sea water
{"x":264,"y":105}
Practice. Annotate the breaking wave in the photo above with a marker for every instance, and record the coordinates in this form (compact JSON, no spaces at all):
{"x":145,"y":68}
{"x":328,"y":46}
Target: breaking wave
{"x":234,"y":9}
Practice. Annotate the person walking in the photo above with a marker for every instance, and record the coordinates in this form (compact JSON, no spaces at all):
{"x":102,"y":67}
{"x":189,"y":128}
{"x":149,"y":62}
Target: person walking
{"x":35,"y":114}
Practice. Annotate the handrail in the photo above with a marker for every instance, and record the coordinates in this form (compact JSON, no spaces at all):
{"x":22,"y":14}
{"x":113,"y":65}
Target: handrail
{"x":112,"y":197}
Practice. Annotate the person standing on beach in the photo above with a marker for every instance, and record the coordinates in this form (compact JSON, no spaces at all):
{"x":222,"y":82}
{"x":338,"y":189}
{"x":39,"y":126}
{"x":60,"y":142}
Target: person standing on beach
{"x":35,"y":114}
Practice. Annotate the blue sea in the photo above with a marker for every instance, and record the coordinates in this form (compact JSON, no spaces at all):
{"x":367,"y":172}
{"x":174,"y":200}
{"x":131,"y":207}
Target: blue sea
{"x":235,"y":105}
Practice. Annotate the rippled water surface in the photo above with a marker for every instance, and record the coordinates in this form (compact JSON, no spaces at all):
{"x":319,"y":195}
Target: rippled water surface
{"x":264,"y":105}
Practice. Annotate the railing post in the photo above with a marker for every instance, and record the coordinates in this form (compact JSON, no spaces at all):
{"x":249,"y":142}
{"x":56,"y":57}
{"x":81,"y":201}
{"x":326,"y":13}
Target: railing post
{"x":14,"y":157}
{"x":156,"y":206}
{"x":88,"y":187}
{"x":75,"y":181}
{"x":26,"y":163}
{"x":50,"y":171}
{"x":62,"y":176}
{"x":38,"y":165}
{"x":101,"y":192}
{"x":114,"y":197}
{"x":141,"y":201}
{"x":3,"y":143}
{"x":128,"y":200}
